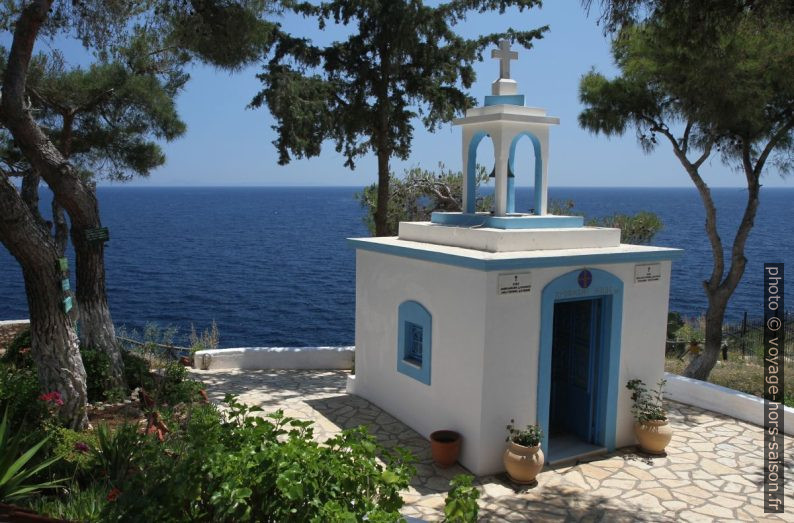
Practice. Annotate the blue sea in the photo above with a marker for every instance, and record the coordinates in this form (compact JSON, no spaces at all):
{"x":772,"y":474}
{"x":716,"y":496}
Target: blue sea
{"x":272,"y":268}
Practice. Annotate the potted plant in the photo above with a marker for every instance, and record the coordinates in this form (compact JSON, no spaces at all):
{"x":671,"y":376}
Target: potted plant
{"x":523,"y":458}
{"x":651,"y":426}
{"x":445,"y":447}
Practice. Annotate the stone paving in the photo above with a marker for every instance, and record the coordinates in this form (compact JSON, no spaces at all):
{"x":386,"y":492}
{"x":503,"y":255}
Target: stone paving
{"x":712,"y":470}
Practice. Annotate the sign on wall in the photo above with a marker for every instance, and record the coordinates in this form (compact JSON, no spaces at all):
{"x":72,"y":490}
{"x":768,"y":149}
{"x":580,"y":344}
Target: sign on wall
{"x":515,"y":283}
{"x":647,"y":272}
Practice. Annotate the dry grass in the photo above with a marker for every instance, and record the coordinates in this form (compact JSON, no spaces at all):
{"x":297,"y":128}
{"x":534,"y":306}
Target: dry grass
{"x":740,"y":375}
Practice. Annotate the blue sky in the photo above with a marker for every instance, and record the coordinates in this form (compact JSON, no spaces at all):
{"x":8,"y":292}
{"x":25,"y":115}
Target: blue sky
{"x":227,"y":144}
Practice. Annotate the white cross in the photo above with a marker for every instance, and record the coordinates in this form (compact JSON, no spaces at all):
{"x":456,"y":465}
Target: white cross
{"x":504,"y":54}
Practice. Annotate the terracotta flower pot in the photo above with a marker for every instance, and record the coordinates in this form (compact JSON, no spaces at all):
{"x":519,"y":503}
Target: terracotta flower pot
{"x":522,"y":463}
{"x":445,"y":447}
{"x":653,"y":435}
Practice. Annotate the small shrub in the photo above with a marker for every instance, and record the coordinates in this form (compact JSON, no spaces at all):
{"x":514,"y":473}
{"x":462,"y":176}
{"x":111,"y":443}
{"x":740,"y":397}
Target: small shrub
{"x":245,"y":467}
{"x":18,"y":469}
{"x":528,"y":437}
{"x":74,"y":504}
{"x":19,"y":393}
{"x":18,"y":352}
{"x":461,"y":503}
{"x":75,"y":450}
{"x":116,"y":452}
{"x":175,"y":385}
{"x":97,"y":371}
{"x":648,"y":404}
{"x":207,"y":340}
{"x":136,"y":370}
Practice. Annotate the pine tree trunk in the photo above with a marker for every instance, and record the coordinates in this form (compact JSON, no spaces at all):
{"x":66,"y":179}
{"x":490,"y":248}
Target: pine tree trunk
{"x":383,"y":152}
{"x":53,"y":341}
{"x":71,"y":192}
{"x":382,"y":209}
{"x":701,"y":365}
{"x":60,"y":228}
{"x":96,"y":325}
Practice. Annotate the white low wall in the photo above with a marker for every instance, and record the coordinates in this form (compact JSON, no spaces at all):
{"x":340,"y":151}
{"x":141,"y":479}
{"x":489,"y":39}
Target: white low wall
{"x":13,"y":322}
{"x":723,"y":400}
{"x":255,"y":358}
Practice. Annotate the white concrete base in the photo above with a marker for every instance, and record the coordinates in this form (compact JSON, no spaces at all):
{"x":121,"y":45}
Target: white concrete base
{"x":256,"y":358}
{"x":350,"y":387}
{"x":723,"y":400}
{"x":510,"y":240}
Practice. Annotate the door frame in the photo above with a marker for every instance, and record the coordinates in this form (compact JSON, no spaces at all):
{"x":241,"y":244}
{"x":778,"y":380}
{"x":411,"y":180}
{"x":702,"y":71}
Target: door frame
{"x":569,"y":287}
{"x":594,"y":359}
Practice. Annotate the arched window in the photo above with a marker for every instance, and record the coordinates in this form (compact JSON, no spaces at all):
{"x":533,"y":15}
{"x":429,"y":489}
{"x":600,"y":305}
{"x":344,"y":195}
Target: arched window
{"x":414,"y":325}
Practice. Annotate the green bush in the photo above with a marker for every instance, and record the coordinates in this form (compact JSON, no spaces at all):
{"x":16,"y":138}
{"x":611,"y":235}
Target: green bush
{"x":18,"y":467}
{"x":461,"y":503}
{"x":175,"y":385}
{"x":19,"y":392}
{"x":116,"y":452}
{"x":74,"y":504}
{"x":97,"y":371}
{"x":136,"y":370}
{"x":243,"y":467}
{"x":18,"y":352}
{"x":75,"y":450}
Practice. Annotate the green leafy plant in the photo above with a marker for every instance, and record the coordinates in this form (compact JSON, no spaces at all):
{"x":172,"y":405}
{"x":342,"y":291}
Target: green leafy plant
{"x":18,"y":351}
{"x":207,"y":340}
{"x":461,"y":503}
{"x":17,"y":467}
{"x":419,"y":193}
{"x":528,"y":437}
{"x":115,"y":453}
{"x":74,"y":504}
{"x":19,"y":392}
{"x":175,"y":385}
{"x":97,"y":372}
{"x":75,"y":450}
{"x":136,"y":370}
{"x":648,"y":404}
{"x":243,"y":466}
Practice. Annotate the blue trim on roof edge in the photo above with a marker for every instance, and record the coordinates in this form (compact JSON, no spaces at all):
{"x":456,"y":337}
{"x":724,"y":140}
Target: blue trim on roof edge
{"x":504,"y":99}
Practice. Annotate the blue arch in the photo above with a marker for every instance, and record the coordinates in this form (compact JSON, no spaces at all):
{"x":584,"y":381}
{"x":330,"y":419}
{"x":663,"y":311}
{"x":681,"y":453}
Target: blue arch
{"x":511,"y":191}
{"x":416,"y":315}
{"x":471,"y":171}
{"x":566,"y":288}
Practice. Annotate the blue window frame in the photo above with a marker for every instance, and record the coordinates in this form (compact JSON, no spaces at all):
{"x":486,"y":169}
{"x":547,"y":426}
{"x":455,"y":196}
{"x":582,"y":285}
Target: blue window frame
{"x":414,"y":341}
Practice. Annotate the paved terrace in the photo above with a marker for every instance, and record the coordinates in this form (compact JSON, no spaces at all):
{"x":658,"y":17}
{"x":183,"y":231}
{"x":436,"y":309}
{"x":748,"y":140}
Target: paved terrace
{"x":712,"y":471}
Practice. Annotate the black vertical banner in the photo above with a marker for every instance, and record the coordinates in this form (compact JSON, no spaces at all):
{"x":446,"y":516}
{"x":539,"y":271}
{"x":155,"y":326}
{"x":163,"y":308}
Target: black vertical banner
{"x":774,"y":343}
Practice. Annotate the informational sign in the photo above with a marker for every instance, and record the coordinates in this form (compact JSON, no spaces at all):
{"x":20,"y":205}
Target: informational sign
{"x":647,"y":272}
{"x":67,"y":304}
{"x":97,"y":235}
{"x":65,"y":284}
{"x":517,"y":283}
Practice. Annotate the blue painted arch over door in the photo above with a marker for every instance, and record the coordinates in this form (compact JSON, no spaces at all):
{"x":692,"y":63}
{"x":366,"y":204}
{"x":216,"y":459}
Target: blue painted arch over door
{"x":609,"y":288}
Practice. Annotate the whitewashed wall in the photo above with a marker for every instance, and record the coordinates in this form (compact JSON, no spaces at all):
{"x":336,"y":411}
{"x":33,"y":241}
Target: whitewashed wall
{"x":454,"y":298}
{"x":485,"y":348}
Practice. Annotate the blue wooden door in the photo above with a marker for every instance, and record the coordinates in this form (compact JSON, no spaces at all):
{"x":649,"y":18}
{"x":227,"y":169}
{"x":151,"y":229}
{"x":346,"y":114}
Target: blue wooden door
{"x":574,"y":354}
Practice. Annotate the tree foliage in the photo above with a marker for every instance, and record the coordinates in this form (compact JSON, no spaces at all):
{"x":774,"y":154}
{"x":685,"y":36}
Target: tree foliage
{"x":639,"y":228}
{"x":70,"y":124}
{"x":419,"y":193}
{"x":718,"y":79}
{"x":402,"y":61}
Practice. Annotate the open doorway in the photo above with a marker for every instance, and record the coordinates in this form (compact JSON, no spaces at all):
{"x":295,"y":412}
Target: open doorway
{"x":577,"y":347}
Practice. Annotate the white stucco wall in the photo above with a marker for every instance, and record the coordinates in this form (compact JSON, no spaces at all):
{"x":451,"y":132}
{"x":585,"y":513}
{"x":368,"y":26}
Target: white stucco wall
{"x":512,"y":348}
{"x":485,"y":347}
{"x":454,"y":298}
{"x":259,"y":358}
